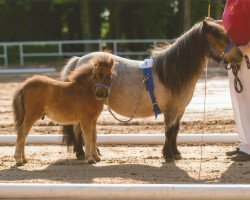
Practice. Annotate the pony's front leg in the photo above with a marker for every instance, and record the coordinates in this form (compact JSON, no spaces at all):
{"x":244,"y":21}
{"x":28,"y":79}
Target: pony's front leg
{"x":94,"y":145}
{"x":172,"y":122}
{"x":167,"y":150}
{"x":86,"y":127}
{"x":176,"y":152}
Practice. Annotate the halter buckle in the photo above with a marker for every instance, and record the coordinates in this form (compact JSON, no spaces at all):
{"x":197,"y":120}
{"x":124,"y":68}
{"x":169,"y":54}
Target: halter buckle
{"x":221,"y":54}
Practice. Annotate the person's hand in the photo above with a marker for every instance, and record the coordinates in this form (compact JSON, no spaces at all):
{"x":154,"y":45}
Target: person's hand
{"x":209,"y":19}
{"x":245,"y":48}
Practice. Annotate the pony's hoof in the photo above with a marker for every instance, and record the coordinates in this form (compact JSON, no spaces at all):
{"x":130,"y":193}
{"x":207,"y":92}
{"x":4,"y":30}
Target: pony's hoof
{"x":99,"y":152}
{"x":25,"y":161}
{"x":19,"y":164}
{"x":98,"y":159}
{"x":92,"y":161}
{"x":177,"y":157}
{"x":80,"y":157}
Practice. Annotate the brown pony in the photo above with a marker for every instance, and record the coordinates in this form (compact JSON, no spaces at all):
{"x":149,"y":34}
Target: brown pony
{"x":78,"y":101}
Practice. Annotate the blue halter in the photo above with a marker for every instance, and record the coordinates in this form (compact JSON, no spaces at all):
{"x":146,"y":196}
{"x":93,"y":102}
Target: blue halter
{"x":107,"y":87}
{"x":222,"y":54}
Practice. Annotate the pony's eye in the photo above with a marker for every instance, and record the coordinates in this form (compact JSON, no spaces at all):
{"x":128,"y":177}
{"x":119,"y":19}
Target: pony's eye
{"x":216,"y":34}
{"x":108,"y":77}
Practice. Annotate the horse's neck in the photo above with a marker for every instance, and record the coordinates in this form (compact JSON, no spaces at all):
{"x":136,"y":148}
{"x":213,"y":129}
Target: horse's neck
{"x":83,"y":85}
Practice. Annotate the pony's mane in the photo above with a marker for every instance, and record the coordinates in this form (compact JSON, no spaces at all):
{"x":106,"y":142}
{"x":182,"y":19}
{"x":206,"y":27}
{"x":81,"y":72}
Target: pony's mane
{"x":177,"y":64}
{"x":82,"y":72}
{"x":159,"y":47}
{"x":85,"y":71}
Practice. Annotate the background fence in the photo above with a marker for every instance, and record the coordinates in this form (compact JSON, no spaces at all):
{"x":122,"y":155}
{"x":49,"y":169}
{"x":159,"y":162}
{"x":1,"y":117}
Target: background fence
{"x":22,"y":53}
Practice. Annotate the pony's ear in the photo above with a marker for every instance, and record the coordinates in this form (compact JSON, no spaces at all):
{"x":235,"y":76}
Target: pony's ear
{"x":111,"y":62}
{"x":205,"y":26}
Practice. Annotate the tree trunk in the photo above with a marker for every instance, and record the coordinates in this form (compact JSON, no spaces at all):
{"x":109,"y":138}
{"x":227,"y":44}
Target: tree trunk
{"x":86,"y":34}
{"x":219,"y":9}
{"x":187,"y":15}
{"x":85,"y":19}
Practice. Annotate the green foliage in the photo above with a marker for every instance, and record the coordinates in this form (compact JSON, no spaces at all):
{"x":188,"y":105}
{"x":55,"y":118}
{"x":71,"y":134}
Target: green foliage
{"x":32,"y":20}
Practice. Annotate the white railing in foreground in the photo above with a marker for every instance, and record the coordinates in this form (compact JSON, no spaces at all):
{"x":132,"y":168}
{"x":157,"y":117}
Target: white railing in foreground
{"x":60,"y":48}
{"x":126,"y":191}
{"x":141,"y":139}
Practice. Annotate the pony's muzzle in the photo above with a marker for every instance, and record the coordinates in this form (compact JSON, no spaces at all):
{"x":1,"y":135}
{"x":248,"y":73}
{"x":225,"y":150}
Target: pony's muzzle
{"x":101,"y":94}
{"x":236,"y":57}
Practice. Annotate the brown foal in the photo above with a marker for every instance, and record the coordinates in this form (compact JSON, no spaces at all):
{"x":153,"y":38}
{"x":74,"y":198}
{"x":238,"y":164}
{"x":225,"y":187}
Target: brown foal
{"x":78,"y":101}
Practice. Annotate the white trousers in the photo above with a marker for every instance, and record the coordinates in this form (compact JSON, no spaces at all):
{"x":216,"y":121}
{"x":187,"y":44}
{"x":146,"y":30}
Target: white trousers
{"x":241,"y":106}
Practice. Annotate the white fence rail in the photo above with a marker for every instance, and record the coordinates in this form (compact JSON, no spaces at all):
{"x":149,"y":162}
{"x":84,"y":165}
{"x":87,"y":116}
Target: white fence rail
{"x":59,"y":52}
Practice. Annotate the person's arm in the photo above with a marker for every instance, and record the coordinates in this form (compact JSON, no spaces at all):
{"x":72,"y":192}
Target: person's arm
{"x":246,"y":7}
{"x":245,"y":48}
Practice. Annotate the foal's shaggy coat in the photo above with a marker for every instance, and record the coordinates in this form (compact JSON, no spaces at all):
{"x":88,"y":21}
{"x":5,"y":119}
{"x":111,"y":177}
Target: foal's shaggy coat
{"x":64,"y":102}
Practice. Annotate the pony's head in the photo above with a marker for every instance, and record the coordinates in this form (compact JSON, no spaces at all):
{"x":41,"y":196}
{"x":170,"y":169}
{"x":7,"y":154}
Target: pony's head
{"x":221,"y":48}
{"x":102,"y":77}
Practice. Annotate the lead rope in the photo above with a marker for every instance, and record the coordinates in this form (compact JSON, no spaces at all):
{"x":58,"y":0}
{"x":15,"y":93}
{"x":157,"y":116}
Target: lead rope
{"x":237,"y":82}
{"x":204,"y":120}
{"x":247,"y":61}
{"x":134,"y":113}
{"x":204,"y":105}
{"x":235,"y":70}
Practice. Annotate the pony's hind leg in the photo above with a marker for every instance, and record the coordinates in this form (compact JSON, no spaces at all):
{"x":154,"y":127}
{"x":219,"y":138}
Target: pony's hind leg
{"x":29,"y":119}
{"x":20,"y":144}
{"x":19,"y":148}
{"x":86,"y":127}
{"x":23,"y":154}
{"x":78,"y":142}
{"x":94,"y":148}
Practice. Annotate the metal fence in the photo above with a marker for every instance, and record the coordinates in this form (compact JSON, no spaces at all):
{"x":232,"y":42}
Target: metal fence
{"x":59,"y":50}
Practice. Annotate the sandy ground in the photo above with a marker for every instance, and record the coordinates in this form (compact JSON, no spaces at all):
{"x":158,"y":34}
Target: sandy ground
{"x":124,"y":164}
{"x":131,"y":164}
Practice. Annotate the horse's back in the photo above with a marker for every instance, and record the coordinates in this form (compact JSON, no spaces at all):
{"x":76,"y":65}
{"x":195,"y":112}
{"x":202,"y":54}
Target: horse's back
{"x":120,"y":62}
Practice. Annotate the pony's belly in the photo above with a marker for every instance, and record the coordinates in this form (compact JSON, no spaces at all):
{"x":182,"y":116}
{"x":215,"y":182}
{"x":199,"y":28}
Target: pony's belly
{"x":61,"y":118}
{"x":129,"y":112}
{"x":130,"y":98}
{"x":129,"y":104}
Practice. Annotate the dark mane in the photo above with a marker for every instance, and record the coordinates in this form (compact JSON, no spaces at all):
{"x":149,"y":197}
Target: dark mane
{"x":158,"y":48}
{"x":178,"y":63}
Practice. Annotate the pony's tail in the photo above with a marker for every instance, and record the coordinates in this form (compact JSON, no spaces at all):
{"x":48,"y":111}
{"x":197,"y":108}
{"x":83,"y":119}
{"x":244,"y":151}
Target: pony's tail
{"x":70,"y":66}
{"x":68,"y":135}
{"x":18,"y":109}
